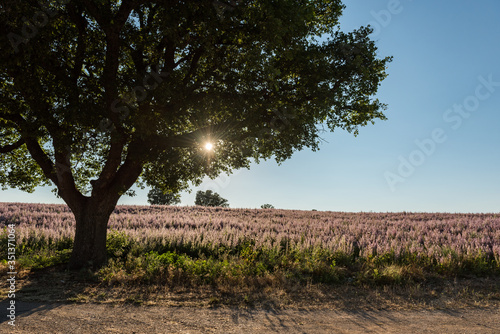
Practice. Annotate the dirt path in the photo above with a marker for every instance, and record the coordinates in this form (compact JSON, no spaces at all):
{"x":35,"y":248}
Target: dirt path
{"x":105,"y":318}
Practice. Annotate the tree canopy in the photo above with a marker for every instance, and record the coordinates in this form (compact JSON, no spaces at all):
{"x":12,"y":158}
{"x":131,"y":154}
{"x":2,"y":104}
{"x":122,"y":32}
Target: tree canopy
{"x":96,"y":96}
{"x":158,"y":197}
{"x":210,"y":198}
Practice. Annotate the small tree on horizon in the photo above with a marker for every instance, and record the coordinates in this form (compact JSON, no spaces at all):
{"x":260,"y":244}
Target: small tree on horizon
{"x":158,"y":197}
{"x":210,"y":198}
{"x":267,"y":206}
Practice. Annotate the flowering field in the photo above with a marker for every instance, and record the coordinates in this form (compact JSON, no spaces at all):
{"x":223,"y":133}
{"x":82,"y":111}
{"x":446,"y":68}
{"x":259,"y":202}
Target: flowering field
{"x":322,"y":246}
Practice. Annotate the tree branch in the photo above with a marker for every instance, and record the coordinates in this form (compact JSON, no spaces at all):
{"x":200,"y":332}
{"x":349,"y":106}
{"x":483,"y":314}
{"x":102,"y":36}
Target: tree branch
{"x":195,"y":58}
{"x":81,"y":24}
{"x":125,"y":10}
{"x":14,"y":118}
{"x":33,"y":146}
{"x":128,"y":173}
{"x":113,"y":161}
{"x":96,"y":12}
{"x":12,"y":147}
{"x":192,"y":139}
{"x":66,"y":182}
{"x":42,"y":159}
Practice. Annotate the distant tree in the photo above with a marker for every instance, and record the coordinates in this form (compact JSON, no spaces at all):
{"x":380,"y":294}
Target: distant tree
{"x":267,"y":206}
{"x":157,"y":197}
{"x":210,"y":198}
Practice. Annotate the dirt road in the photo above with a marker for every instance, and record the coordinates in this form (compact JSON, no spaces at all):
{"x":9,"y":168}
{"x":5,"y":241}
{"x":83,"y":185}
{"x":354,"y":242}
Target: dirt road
{"x":105,"y":318}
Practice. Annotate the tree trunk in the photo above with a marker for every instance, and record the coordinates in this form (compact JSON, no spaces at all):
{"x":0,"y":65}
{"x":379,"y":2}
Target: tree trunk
{"x":92,"y":213}
{"x":89,"y":247}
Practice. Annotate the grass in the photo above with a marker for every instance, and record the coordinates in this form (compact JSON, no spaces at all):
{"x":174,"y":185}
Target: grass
{"x":133,"y":263}
{"x":141,"y":272}
{"x":56,"y":284}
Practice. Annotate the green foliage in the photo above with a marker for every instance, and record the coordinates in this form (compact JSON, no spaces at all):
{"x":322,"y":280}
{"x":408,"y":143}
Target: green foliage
{"x":210,"y":198}
{"x":97,"y":96}
{"x":267,"y":206}
{"x":44,"y":258}
{"x":146,"y":262}
{"x":158,"y":197}
{"x":118,"y":244}
{"x":101,"y":95}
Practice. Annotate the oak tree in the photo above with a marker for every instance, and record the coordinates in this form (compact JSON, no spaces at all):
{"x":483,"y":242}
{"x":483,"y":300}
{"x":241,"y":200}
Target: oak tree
{"x":96,"y":96}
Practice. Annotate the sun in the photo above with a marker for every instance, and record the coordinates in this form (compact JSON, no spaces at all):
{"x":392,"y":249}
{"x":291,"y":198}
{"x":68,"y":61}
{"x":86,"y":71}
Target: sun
{"x":209,"y":146}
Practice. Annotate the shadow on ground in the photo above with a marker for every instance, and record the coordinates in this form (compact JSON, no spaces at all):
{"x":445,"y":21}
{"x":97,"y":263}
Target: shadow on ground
{"x":42,"y":290}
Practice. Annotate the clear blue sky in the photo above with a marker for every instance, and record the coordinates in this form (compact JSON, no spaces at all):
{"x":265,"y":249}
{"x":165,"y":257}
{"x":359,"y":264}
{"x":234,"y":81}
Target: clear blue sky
{"x":443,"y":92}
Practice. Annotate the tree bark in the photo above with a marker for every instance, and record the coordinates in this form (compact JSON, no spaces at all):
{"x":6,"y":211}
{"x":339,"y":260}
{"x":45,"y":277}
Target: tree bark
{"x":92,"y":213}
{"x":89,"y":247}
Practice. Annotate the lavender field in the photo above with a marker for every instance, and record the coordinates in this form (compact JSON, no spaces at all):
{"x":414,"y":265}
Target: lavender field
{"x":302,"y":243}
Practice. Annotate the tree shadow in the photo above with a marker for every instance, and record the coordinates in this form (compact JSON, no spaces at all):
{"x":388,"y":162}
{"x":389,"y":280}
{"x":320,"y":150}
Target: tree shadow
{"x":44,"y":289}
{"x":23,"y":309}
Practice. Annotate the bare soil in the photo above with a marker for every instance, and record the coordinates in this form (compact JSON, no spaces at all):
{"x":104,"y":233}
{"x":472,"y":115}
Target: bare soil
{"x":53,"y":301}
{"x":103,"y":318}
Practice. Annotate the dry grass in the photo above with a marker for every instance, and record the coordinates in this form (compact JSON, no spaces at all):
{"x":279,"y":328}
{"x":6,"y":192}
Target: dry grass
{"x":55,"y":284}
